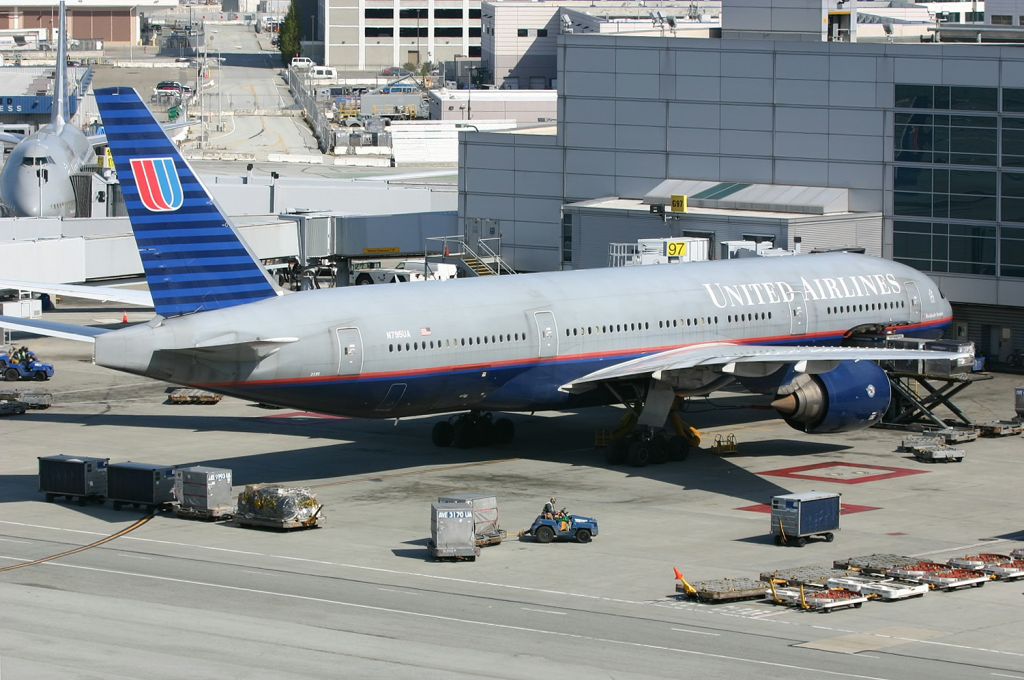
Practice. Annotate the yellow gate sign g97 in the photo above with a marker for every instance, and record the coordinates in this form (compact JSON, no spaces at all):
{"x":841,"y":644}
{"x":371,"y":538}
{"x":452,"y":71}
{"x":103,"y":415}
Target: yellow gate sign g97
{"x":679,"y":204}
{"x":677,"y":249}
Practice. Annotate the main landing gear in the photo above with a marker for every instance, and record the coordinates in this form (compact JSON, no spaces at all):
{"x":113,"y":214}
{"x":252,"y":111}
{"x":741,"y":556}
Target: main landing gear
{"x":641,"y":438}
{"x":473,"y":429}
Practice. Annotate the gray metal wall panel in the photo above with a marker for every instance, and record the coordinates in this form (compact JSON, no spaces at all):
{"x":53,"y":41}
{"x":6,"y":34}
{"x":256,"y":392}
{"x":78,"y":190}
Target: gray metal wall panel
{"x":855,"y":148}
{"x":755,"y":90}
{"x":637,"y":61}
{"x":977,"y":72}
{"x":639,"y":113}
{"x":854,"y":94}
{"x":742,"y":143}
{"x":638,"y":86}
{"x":796,"y":145}
{"x":852,"y":68}
{"x":688,"y":114}
{"x":578,"y":161}
{"x":801,"y":119}
{"x":694,"y":167}
{"x":807,"y":173}
{"x":693,"y":140}
{"x":589,"y":111}
{"x":752,"y":170}
{"x":640,"y":137}
{"x":699,"y":62}
{"x":739,"y":117}
{"x":856,"y":122}
{"x":801,"y":67}
{"x":536,"y":183}
{"x":646,"y":165}
{"x":699,"y":88}
{"x":801,"y":92}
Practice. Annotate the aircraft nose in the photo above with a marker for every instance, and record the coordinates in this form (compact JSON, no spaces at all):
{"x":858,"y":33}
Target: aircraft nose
{"x":23,"y":198}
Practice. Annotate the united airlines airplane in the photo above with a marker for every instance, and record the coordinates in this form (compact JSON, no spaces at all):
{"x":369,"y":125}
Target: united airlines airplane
{"x":645,"y":337}
{"x":36,"y":179}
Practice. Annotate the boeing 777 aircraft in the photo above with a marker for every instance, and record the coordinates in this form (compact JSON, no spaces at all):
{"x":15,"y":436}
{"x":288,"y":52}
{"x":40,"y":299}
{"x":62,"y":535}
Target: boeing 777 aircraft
{"x":642,"y":336}
{"x":36,"y":179}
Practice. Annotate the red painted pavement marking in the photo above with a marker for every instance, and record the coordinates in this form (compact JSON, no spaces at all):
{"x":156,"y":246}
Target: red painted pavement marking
{"x":883,"y":472}
{"x":844,"y":508}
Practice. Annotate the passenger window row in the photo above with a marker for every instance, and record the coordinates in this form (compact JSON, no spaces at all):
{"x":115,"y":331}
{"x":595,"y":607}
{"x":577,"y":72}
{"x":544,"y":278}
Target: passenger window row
{"x":448,"y":343}
{"x":874,"y":306}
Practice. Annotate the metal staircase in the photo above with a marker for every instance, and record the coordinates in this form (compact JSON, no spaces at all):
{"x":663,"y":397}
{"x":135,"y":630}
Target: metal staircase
{"x":483,"y":259}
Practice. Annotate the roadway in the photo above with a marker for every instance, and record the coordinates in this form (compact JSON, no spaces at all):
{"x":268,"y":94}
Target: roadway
{"x":360,"y":597}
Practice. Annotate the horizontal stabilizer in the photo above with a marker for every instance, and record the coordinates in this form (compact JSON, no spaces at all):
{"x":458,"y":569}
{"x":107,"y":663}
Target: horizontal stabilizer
{"x":127,"y":296}
{"x":52,"y":329}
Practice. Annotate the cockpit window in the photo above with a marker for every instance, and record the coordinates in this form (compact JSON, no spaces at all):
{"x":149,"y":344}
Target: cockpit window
{"x":36,"y":160}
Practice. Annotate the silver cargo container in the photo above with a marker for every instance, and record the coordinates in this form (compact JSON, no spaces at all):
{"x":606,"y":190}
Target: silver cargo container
{"x":73,"y":476}
{"x":485,"y":515}
{"x":204,"y":489}
{"x":140,"y":484}
{"x":451,"y":531}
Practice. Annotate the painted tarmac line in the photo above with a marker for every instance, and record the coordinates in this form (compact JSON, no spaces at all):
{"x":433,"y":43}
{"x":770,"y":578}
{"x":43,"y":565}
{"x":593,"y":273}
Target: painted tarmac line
{"x":396,"y":590}
{"x":134,"y":557}
{"x":542,"y":611}
{"x":960,"y":547}
{"x":1004,"y":675}
{"x":12,"y":540}
{"x":816,"y":672}
{"x":696,"y":632}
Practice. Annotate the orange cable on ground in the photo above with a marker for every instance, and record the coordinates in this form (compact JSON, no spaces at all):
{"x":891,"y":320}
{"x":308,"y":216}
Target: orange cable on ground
{"x":80,"y":548}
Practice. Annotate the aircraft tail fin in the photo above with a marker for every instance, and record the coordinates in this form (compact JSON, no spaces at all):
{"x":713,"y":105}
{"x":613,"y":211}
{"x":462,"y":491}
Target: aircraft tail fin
{"x":58,"y":113}
{"x":193,"y":258}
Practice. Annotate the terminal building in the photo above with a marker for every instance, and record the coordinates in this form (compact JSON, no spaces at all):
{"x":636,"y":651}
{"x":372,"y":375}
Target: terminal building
{"x":107,"y":21}
{"x":928,"y":137}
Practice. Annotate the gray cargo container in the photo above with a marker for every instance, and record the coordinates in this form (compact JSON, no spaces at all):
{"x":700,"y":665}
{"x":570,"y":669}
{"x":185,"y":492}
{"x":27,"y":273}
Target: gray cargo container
{"x":796,"y":516}
{"x":485,"y":515}
{"x":140,"y":484}
{"x":81,"y":477}
{"x":452,"y":531}
{"x":204,"y":492}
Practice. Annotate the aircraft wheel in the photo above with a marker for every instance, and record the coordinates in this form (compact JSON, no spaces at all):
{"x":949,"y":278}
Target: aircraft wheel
{"x":659,"y":451}
{"x":465,"y":436}
{"x":678,"y":448}
{"x":11,"y":374}
{"x":801,"y":541}
{"x":583,"y":536}
{"x":504,"y":431}
{"x":639,"y":454}
{"x":829,"y":537}
{"x":779,"y":540}
{"x":544,"y":534}
{"x":617,"y":452}
{"x":443,"y":434}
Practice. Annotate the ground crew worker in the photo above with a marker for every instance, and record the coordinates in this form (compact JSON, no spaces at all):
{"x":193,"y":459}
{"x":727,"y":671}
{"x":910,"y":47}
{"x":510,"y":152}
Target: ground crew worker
{"x":549,"y":509}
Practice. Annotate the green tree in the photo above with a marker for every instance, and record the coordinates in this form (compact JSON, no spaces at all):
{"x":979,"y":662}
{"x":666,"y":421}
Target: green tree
{"x":289,"y":40}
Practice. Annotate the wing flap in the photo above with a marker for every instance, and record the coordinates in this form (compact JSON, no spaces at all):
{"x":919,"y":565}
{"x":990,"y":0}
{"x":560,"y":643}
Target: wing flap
{"x":52,"y":329}
{"x":746,"y":360}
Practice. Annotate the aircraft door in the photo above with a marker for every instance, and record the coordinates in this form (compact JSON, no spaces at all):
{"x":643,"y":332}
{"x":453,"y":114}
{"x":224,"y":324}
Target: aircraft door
{"x":547,"y":334}
{"x":913,"y":299}
{"x":350,"y":351}
{"x":798,"y":315}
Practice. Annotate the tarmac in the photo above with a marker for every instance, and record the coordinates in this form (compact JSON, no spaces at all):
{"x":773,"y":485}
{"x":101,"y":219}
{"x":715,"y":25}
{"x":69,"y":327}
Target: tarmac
{"x":361,"y":598}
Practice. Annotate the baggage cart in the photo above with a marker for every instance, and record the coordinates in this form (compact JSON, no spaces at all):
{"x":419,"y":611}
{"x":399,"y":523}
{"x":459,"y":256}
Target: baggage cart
{"x":81,"y":478}
{"x":723,"y":590}
{"x":954,"y":579}
{"x":977,"y":562}
{"x":204,"y":493}
{"x":886,"y":589}
{"x":140,"y":485}
{"x":1001,"y":428}
{"x":32,"y":400}
{"x":452,"y":533}
{"x":186,"y":395}
{"x":797,"y":516}
{"x":939,"y":453}
{"x":485,"y":516}
{"x":1005,"y":571}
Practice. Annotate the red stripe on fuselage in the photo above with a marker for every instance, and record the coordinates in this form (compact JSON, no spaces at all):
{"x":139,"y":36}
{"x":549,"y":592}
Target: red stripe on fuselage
{"x":539,"y":361}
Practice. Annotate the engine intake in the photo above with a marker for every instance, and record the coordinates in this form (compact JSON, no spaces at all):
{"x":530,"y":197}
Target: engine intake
{"x":852,"y":396}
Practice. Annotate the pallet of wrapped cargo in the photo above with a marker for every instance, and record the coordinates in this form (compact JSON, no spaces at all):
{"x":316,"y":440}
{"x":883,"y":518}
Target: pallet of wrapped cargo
{"x":485,"y":516}
{"x":32,"y":400}
{"x":278,"y":507}
{"x":203,"y":493}
{"x":81,"y":478}
{"x":193,"y":396}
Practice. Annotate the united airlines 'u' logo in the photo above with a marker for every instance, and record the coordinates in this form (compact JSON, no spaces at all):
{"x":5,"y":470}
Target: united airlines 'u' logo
{"x":158,"y":183}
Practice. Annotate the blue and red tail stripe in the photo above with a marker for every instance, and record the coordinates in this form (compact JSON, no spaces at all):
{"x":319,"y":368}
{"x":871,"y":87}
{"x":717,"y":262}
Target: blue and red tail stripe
{"x":193,"y":258}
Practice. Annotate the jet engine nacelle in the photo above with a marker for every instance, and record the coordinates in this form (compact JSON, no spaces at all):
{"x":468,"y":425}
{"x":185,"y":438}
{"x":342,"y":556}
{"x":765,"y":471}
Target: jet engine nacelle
{"x":852,"y":396}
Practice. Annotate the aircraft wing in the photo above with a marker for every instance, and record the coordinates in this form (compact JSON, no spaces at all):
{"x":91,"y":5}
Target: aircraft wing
{"x":127,"y":296}
{"x":52,"y":329}
{"x":98,"y":140}
{"x":10,"y":138}
{"x":743,"y":360}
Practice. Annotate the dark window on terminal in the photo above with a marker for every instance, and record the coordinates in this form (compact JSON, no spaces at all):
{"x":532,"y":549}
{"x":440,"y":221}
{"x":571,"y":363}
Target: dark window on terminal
{"x":420,"y":13}
{"x":448,"y":32}
{"x":378,"y":32}
{"x":567,"y":237}
{"x":1002,"y":20}
{"x":974,"y":16}
{"x":378,"y":13}
{"x":474,"y":31}
{"x":542,"y":32}
{"x":474,"y":14}
{"x":448,"y":13}
{"x":412,"y":32}
{"x":474,"y":50}
{"x":522,"y":32}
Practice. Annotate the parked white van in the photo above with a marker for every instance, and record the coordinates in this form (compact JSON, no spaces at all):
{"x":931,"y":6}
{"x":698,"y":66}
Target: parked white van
{"x":323,"y":73}
{"x":302,"y":62}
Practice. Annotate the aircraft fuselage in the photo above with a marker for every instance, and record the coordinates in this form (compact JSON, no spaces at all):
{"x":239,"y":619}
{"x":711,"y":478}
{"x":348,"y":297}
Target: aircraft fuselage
{"x":60,"y":151}
{"x":509,"y":343}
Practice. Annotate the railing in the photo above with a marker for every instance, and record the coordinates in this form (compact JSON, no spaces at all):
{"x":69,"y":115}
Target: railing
{"x":315,"y":116}
{"x":488,"y":252}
